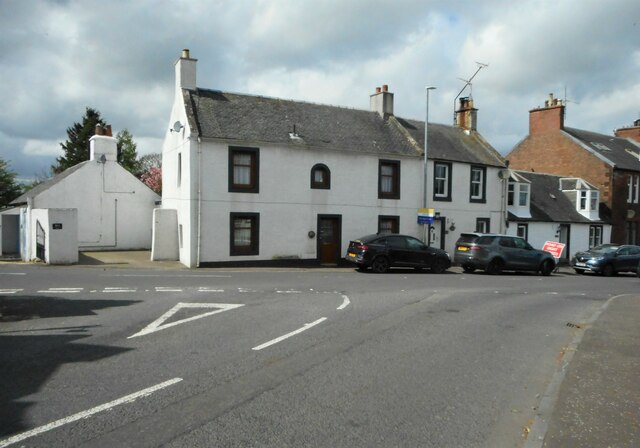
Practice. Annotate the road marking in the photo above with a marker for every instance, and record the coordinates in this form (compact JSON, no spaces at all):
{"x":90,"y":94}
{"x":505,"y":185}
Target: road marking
{"x":10,"y":291}
{"x":156,"y":325}
{"x":166,"y":275}
{"x":289,"y":292}
{"x":62,"y":290}
{"x":246,"y":290}
{"x":288,"y":335}
{"x":119,"y":290}
{"x":88,"y":413}
{"x":205,"y":289}
{"x":13,"y":273}
{"x":167,"y":289}
{"x":345,"y":303}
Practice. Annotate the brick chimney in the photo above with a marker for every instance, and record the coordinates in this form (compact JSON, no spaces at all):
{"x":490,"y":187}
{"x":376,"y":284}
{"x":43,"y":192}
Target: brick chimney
{"x":103,"y":144}
{"x":632,"y":132}
{"x":185,"y":72}
{"x":547,"y":118}
{"x":382,"y":101}
{"x":467,"y":115}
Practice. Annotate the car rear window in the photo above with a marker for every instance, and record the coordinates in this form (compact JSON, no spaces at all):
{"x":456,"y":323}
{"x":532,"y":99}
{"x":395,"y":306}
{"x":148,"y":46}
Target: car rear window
{"x":467,"y":238}
{"x":485,"y":240}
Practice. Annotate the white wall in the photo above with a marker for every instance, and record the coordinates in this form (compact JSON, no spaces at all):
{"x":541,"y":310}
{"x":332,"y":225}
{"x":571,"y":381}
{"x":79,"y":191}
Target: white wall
{"x":61,"y":234}
{"x":114,"y":208}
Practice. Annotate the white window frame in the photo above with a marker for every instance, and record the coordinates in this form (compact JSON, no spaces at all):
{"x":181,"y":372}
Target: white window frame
{"x":511,"y":193}
{"x":594,"y":200}
{"x":523,"y":192}
{"x":444,"y":180}
{"x":478,"y":184}
{"x":595,"y":236}
{"x":583,"y":200}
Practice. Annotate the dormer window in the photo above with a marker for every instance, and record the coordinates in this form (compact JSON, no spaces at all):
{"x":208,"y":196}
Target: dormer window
{"x":523,"y":196}
{"x":587,"y":200}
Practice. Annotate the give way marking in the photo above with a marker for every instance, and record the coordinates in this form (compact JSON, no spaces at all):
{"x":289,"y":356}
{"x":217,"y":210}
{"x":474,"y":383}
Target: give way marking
{"x":157,"y":324}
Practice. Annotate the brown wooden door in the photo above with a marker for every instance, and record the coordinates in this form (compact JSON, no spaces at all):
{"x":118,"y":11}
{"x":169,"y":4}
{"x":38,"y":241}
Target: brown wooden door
{"x":328,"y":239}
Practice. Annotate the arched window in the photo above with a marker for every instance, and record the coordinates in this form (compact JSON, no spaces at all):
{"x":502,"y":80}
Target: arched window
{"x":320,"y":177}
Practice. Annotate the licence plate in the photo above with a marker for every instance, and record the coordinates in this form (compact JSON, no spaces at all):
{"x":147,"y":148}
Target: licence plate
{"x":580,"y":264}
{"x":351,"y":254}
{"x":463,"y":248}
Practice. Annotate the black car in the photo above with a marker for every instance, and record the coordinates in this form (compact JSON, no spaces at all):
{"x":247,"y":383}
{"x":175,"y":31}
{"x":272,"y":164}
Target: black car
{"x":381,"y":252}
{"x":607,"y":259}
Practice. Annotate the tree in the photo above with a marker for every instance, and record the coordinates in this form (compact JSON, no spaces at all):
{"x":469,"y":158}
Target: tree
{"x":127,"y":154}
{"x":76,"y":147}
{"x":149,"y":161}
{"x":9,"y":189}
{"x":153,"y":179}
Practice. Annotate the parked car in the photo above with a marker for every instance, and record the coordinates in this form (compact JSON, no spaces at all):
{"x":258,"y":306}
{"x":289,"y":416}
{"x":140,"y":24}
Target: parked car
{"x":381,"y":252}
{"x":607,"y":259}
{"x":496,"y":253}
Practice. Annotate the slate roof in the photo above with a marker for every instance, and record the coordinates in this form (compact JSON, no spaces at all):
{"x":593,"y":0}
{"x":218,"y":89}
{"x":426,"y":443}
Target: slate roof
{"x":35,"y":191}
{"x":248,"y":118}
{"x":548,"y":203}
{"x":621,"y":152}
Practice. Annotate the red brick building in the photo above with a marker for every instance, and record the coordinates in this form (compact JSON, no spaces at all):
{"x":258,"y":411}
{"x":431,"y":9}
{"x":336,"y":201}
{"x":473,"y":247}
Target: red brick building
{"x":612,"y":163}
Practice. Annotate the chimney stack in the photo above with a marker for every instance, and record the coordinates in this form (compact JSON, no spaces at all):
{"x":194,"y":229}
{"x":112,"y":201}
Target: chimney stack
{"x":548,"y":118}
{"x":185,"y":72}
{"x":103,"y":143}
{"x":632,"y":132}
{"x":467,"y":115}
{"x":382,"y":101}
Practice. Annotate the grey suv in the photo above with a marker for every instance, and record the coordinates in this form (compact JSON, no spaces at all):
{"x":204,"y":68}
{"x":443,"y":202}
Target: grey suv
{"x":496,"y":253}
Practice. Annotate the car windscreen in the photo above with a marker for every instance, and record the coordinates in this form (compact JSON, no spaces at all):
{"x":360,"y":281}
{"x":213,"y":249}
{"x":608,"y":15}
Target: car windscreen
{"x":605,"y":249}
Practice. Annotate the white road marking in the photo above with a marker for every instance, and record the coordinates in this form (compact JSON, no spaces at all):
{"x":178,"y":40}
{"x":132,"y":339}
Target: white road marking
{"x":62,"y":290}
{"x":88,"y":413}
{"x":289,"y":292}
{"x":288,"y":335}
{"x":166,"y":275}
{"x":119,"y":290}
{"x":246,"y":290}
{"x":13,"y":273}
{"x":205,"y":289}
{"x":167,"y":289}
{"x":156,"y":325}
{"x":10,"y":291}
{"x":345,"y":303}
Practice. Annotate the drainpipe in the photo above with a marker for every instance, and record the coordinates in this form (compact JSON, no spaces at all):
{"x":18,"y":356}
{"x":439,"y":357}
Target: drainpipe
{"x":199,"y":142}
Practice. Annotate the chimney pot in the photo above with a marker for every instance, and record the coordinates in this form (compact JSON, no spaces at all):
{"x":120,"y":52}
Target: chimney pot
{"x":378,"y":89}
{"x":108,"y":131}
{"x":385,"y":88}
{"x":99,"y":130}
{"x":185,"y":53}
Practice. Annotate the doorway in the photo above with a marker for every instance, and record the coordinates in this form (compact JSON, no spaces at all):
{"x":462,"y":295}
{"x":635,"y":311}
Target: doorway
{"x":437,"y":232}
{"x":329,"y":239}
{"x":564,"y":236}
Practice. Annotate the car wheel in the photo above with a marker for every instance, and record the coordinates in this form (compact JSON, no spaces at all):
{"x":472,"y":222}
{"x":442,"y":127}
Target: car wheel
{"x":468,"y":268}
{"x":380,"y":265}
{"x":547,"y":267}
{"x":439,"y":266}
{"x":579,"y":271}
{"x":608,"y":271}
{"x":495,"y":266}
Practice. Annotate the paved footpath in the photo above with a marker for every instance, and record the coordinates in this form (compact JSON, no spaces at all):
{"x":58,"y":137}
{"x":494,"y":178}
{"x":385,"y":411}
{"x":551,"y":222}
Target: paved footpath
{"x":599,"y":400}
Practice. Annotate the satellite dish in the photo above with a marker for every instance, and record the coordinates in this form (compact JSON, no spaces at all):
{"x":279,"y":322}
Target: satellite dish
{"x":504,"y":174}
{"x":177,"y":126}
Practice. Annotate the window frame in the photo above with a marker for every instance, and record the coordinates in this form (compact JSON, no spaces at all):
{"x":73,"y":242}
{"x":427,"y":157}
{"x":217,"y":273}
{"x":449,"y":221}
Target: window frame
{"x":395,"y":179}
{"x":179,"y":180}
{"x":447,"y":181}
{"x":595,"y":240}
{"x":254,"y":247}
{"x":482,"y":187}
{"x":511,"y":193}
{"x":254,"y":167}
{"x":524,"y":226}
{"x":326,"y":181}
{"x":484,"y":222}
{"x":395,"y":224}
{"x":527,"y":194}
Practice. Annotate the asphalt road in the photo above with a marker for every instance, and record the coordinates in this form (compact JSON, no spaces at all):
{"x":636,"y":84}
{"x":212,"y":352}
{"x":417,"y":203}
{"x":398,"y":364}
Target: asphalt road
{"x":336,"y":358}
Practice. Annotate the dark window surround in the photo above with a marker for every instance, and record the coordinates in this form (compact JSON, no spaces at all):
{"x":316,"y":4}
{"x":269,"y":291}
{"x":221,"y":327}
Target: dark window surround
{"x":483,"y":194}
{"x":326,"y":183}
{"x":395,"y":188}
{"x":254,"y":186}
{"x":395,"y":226}
{"x":487,"y":222}
{"x":254,"y":248}
{"x":446,"y":198}
{"x":524,"y":226}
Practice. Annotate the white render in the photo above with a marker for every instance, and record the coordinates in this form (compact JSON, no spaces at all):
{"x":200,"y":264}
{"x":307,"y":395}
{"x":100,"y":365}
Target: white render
{"x":61,"y":234}
{"x":114,"y":208}
{"x":195,"y":186}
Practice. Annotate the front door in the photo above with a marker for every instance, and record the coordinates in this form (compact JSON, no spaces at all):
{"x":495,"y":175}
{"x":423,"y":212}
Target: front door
{"x":564,"y":237}
{"x":437,"y":232}
{"x":329,"y":239}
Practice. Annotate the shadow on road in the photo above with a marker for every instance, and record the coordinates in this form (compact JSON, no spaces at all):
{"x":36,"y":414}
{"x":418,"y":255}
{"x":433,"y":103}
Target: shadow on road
{"x":28,"y":360}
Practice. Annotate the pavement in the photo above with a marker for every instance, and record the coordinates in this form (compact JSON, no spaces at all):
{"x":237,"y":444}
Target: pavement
{"x":593,"y":399}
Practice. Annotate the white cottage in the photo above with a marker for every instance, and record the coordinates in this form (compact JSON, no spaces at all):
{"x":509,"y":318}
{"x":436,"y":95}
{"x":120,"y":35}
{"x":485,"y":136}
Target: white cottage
{"x":254,"y":179}
{"x":114,"y":209}
{"x":547,"y":207}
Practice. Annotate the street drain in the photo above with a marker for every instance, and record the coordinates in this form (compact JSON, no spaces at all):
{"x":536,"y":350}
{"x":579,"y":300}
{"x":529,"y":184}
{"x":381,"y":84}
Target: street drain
{"x":571,"y":325}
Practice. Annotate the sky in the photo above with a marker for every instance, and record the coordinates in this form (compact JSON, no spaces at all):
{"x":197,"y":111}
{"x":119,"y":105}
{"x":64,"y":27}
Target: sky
{"x":59,"y":57}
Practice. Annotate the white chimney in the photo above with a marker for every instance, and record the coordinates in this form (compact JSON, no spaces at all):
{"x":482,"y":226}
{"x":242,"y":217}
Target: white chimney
{"x":103,"y":144}
{"x":185,"y":71}
{"x":382,"y":101}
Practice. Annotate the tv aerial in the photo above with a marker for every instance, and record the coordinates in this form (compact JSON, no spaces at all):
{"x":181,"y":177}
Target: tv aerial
{"x":467,"y":83}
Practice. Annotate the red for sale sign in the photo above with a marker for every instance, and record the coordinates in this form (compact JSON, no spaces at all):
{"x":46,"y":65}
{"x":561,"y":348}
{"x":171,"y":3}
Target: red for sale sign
{"x":554,"y":248}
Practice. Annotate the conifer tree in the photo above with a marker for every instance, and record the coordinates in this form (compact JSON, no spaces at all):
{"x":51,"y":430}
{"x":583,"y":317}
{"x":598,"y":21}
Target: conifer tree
{"x":76,"y":147}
